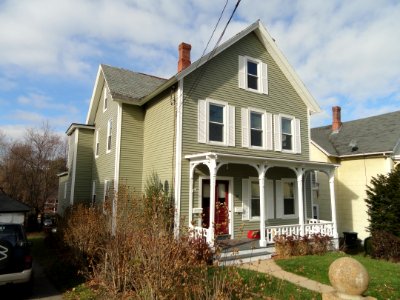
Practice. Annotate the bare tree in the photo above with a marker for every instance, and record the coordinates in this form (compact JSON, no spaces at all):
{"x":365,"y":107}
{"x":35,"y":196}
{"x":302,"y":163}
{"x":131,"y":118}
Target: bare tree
{"x":29,"y":167}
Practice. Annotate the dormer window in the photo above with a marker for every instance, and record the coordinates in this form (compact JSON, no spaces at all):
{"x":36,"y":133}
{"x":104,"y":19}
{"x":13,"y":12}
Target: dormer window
{"x":253,"y":75}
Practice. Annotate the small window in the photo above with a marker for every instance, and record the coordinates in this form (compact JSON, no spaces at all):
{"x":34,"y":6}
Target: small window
{"x":65,"y":190}
{"x":93,"y":192}
{"x":216,"y":123}
{"x":105,"y":96}
{"x":97,"y":146}
{"x":252,"y":75}
{"x":287,"y":135}
{"x":288,"y":199}
{"x":255,"y":200}
{"x":109,"y":135}
{"x":256,"y":129}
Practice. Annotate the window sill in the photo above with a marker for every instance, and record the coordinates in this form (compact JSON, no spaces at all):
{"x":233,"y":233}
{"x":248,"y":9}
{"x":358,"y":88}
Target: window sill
{"x":252,"y":90}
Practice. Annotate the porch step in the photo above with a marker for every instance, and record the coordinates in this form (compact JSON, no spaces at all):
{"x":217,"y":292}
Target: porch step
{"x":235,"y":258}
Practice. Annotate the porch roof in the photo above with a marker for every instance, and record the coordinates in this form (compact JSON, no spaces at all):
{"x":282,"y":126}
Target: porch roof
{"x":269,"y":161}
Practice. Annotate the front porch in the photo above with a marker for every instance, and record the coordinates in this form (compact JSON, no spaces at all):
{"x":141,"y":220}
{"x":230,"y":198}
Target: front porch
{"x":273,"y":197}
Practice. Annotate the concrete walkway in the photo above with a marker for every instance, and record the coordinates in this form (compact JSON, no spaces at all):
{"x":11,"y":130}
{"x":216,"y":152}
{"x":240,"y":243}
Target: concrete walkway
{"x":270,"y":267}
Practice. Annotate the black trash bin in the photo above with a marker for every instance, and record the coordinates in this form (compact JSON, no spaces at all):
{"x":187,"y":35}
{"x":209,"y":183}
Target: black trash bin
{"x":350,"y":239}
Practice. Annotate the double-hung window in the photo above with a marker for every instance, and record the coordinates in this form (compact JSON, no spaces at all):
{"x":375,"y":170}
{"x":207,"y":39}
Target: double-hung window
{"x":256,"y":129}
{"x":109,"y":136}
{"x":253,"y":75}
{"x":255,"y":200}
{"x":216,"y":122}
{"x":287,"y":134}
{"x":287,"y":204}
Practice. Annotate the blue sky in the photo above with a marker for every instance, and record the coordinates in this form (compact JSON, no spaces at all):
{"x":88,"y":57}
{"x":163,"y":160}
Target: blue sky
{"x":346,"y":52}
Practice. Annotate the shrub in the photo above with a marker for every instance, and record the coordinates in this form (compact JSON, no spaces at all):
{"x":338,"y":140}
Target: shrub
{"x":385,"y":245}
{"x":295,"y":245}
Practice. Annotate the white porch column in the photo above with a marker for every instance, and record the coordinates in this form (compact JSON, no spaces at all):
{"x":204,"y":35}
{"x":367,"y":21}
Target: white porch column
{"x":213,"y":176}
{"x":300,"y":172}
{"x":333,"y":202}
{"x":261,"y":181}
{"x":192,"y":167}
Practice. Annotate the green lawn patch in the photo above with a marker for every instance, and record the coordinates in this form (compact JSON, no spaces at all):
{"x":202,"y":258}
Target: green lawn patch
{"x":384,"y":276}
{"x":269,"y":286}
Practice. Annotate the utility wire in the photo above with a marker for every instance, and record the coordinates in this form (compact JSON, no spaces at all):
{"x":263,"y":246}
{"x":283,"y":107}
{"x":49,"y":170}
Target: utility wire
{"x":211,"y":55}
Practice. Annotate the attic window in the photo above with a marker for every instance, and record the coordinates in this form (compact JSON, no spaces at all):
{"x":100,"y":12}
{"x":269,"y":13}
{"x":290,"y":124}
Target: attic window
{"x":105,"y":104}
{"x":253,"y":75}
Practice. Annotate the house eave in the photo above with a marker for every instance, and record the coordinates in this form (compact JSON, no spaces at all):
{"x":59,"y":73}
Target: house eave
{"x":383,"y":153}
{"x":323,"y":150}
{"x":74,"y":126}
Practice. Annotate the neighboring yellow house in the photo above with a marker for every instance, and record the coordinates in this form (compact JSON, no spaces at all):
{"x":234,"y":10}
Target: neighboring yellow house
{"x":363,"y":148}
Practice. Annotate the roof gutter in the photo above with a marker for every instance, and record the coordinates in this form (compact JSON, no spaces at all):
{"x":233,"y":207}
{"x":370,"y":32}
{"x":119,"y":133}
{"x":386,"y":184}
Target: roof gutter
{"x":366,"y":154}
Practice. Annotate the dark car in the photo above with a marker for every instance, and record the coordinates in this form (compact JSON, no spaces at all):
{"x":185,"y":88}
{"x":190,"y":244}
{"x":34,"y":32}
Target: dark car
{"x":15,"y":256}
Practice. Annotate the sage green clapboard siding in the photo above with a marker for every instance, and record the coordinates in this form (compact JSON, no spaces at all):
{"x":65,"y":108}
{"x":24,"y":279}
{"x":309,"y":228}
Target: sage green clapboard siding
{"x":219,"y":81}
{"x":131,"y":155}
{"x":63,"y":203}
{"x":158,"y":154}
{"x":84,"y":159}
{"x":103,"y":166}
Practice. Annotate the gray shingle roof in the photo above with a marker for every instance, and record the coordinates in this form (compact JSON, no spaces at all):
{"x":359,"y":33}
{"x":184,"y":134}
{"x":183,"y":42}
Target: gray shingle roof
{"x":8,"y":204}
{"x":128,"y":85}
{"x":374,"y":134}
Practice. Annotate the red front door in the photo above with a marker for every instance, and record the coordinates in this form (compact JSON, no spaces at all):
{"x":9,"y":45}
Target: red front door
{"x":221,"y":191}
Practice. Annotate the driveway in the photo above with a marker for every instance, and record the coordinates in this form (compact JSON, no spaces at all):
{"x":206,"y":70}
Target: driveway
{"x":43,"y":289}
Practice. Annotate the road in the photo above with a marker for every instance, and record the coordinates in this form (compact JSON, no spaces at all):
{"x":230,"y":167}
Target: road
{"x":43,"y":289}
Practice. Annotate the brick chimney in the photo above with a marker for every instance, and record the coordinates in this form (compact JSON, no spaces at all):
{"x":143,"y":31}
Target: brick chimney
{"x":336,"y":118}
{"x":184,"y":56}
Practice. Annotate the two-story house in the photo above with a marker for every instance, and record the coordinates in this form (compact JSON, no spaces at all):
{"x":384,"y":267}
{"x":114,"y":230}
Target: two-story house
{"x":363,"y":148}
{"x":229,"y":135}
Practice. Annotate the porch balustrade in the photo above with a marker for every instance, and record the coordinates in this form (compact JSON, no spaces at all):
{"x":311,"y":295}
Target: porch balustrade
{"x":313,"y":227}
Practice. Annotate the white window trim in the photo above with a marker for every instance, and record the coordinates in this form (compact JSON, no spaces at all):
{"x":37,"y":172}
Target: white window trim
{"x":296,"y":206}
{"x":204,"y":122}
{"x":109,"y":133}
{"x":97,"y":145}
{"x":296,"y":134}
{"x":105,"y":100}
{"x":266,"y":129}
{"x":262,"y":72}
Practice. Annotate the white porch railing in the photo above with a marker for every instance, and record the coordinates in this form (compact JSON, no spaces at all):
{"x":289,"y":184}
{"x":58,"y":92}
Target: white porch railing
{"x":198,"y":232}
{"x":313,"y":227}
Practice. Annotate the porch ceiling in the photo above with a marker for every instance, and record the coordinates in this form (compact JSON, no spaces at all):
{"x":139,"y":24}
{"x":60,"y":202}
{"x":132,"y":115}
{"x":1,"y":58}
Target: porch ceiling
{"x":225,"y":158}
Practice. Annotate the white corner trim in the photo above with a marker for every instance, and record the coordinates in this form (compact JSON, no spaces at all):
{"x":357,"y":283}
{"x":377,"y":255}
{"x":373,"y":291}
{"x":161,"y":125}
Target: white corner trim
{"x":71,"y":199}
{"x":117,"y":147}
{"x":94,"y":98}
{"x":178,"y":155}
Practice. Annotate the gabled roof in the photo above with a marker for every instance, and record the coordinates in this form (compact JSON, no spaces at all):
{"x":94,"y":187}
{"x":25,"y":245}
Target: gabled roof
{"x":378,"y":134}
{"x":138,"y":88}
{"x":8,"y":205}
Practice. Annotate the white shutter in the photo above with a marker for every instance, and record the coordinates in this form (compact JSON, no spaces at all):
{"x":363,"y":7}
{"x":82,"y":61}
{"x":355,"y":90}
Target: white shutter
{"x":279,"y":199}
{"x":231,"y":125}
{"x":277,"y":133}
{"x":269,"y":196}
{"x":264,"y":78}
{"x":242,"y":72}
{"x":268,"y":131}
{"x":245,"y":199}
{"x":245,"y":127}
{"x":202,"y":122}
{"x":297,"y":136}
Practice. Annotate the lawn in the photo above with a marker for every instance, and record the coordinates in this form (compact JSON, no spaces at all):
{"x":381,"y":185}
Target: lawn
{"x":384,"y":276}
